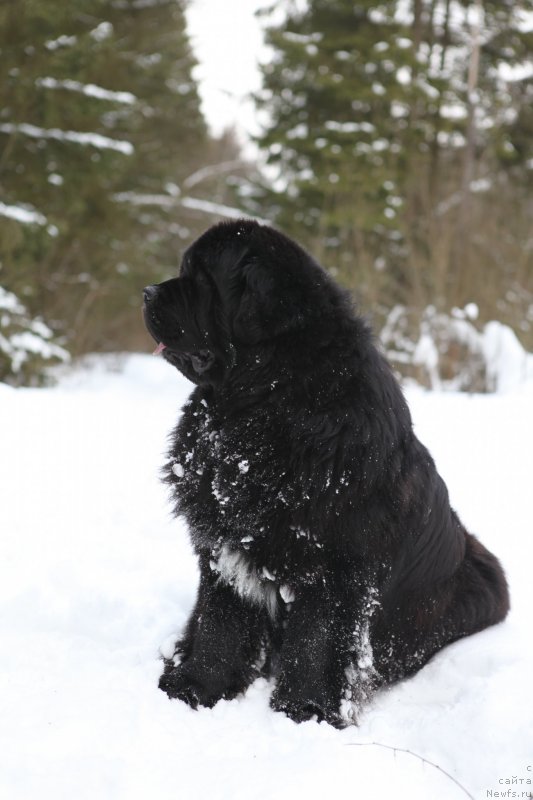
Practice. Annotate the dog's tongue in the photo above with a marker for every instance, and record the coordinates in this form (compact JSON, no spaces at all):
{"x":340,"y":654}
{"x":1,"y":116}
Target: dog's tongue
{"x":159,"y":349}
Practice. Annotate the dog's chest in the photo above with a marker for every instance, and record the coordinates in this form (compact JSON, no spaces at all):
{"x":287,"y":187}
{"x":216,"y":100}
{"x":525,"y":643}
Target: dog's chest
{"x":253,"y":583}
{"x":245,"y":506}
{"x":228,"y":476}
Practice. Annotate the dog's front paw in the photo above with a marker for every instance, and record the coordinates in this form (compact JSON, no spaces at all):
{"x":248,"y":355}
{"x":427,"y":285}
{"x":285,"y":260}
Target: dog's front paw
{"x":177,"y":684}
{"x":301,"y":708}
{"x":195,"y":688}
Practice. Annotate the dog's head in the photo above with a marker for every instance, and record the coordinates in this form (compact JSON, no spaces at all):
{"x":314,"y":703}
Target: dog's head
{"x":241,"y":284}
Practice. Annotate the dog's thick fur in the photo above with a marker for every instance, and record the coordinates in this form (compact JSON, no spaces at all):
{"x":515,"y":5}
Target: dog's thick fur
{"x":329,"y":555}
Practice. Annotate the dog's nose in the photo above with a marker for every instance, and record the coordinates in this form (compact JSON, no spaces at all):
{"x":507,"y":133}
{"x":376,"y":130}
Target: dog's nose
{"x":149,"y":293}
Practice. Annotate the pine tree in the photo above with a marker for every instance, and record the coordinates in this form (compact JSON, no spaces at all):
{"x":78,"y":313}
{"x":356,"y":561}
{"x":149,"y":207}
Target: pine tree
{"x":27,"y":346}
{"x":342,"y":109}
{"x":98,"y":106}
{"x":387,"y":166}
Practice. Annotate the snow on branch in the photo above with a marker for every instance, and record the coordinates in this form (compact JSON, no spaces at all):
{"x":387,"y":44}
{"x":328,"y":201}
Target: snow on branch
{"x":27,"y":215}
{"x":83,"y":138}
{"x":88,"y":89}
{"x":102,"y":31}
{"x":27,"y":344}
{"x":61,"y":41}
{"x":138,"y":199}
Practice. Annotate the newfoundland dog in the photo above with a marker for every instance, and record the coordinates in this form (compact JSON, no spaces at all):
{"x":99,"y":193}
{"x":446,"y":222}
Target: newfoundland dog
{"x":330,"y":558}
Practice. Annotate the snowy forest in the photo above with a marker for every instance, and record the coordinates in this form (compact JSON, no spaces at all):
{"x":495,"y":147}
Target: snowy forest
{"x":394,"y":140}
{"x":396,"y":144}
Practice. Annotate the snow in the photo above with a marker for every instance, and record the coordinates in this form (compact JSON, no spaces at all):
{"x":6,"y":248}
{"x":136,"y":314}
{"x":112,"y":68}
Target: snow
{"x":516,"y":72}
{"x":102,"y":31}
{"x":61,"y":41}
{"x":138,"y":199}
{"x":403,"y":76}
{"x":349,"y":127}
{"x":286,"y":593}
{"x":508,"y":365}
{"x":525,"y":20}
{"x":10,"y":302}
{"x":31,"y":342}
{"x":25,"y":214}
{"x":301,"y":38}
{"x":178,"y":470}
{"x":17,"y":346}
{"x":88,"y":89}
{"x":426,"y":353}
{"x":96,"y":579}
{"x":28,"y":215}
{"x":78,"y":137}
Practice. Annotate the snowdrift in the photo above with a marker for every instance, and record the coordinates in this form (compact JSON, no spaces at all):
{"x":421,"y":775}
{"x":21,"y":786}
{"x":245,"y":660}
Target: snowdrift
{"x":96,"y":577}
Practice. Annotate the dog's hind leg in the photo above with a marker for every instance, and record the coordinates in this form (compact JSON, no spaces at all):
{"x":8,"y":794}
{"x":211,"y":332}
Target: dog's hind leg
{"x":472,"y":599}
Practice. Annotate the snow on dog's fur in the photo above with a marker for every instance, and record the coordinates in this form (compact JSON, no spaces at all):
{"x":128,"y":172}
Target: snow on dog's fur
{"x":328,"y":550}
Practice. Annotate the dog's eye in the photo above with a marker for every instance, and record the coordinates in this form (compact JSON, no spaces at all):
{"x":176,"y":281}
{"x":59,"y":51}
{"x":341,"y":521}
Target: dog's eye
{"x":204,"y":282}
{"x":183,"y":270}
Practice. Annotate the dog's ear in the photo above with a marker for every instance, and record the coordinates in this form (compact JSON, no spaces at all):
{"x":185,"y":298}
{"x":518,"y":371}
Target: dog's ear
{"x":271,"y":304}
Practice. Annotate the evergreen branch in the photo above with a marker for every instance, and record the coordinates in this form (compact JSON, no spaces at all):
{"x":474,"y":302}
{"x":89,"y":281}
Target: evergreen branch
{"x":78,"y":137}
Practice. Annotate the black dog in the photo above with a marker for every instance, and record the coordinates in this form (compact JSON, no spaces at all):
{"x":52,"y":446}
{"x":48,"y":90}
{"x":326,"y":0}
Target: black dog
{"x":329,"y":555}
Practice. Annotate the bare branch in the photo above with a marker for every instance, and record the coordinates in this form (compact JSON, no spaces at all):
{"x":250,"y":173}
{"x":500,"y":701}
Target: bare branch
{"x":210,"y":170}
{"x":420,"y":758}
{"x":193,"y":203}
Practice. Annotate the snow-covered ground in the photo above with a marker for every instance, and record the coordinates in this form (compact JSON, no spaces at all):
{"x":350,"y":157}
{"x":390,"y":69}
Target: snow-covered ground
{"x":95,"y":577}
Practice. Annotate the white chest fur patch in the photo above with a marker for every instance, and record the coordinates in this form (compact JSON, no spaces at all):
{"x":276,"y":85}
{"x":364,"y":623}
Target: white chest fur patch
{"x":236,"y":570}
